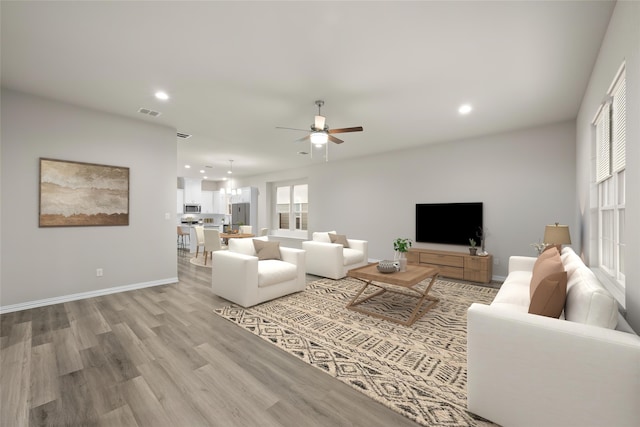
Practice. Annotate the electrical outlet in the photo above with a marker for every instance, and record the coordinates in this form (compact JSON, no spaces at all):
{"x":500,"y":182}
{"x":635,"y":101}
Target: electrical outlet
{"x":167,"y":215}
{"x":99,"y":272}
{"x":496,"y":261}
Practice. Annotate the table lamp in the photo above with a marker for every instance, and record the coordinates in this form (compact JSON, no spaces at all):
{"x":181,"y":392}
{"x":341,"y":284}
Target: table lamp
{"x":557,"y":235}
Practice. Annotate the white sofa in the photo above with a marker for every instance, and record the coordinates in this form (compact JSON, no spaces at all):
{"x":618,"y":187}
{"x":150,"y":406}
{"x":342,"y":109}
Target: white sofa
{"x":531,"y":370}
{"x":239,"y":276}
{"x":333,"y":260}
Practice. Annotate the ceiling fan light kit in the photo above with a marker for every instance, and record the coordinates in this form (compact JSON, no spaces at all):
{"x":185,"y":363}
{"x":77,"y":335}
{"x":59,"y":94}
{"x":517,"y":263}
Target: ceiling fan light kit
{"x":321,"y":134}
{"x":319,"y":138}
{"x":320,"y":122}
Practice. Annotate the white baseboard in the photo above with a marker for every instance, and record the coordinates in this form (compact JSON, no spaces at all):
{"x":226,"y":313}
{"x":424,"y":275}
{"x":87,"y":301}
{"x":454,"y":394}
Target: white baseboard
{"x":84,"y":295}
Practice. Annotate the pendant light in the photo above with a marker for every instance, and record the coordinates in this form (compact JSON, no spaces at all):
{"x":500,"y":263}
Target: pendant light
{"x":233,"y":191}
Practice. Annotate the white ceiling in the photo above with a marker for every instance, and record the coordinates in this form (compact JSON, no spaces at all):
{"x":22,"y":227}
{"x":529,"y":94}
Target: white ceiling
{"x":236,"y":70}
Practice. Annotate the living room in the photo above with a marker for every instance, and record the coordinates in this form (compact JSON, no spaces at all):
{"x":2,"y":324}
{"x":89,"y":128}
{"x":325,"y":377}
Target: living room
{"x":526,"y":178}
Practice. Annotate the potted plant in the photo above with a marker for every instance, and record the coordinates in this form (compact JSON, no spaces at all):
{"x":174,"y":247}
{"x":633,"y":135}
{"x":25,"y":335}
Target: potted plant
{"x":401,"y":246}
{"x":473,"y":250}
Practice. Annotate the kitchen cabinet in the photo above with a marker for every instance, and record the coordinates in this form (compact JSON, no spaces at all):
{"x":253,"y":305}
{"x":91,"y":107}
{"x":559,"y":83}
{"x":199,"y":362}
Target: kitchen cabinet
{"x":219,"y":202}
{"x":192,"y":191}
{"x":247,"y":195}
{"x":207,"y":202}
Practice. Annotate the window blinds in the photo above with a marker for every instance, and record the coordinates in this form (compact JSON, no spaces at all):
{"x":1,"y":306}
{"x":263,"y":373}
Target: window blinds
{"x":610,"y":123}
{"x":618,"y":125}
{"x":603,"y":144}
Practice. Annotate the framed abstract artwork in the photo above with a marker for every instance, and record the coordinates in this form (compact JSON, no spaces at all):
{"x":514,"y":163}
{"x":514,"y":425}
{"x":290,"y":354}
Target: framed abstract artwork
{"x":82,"y":194}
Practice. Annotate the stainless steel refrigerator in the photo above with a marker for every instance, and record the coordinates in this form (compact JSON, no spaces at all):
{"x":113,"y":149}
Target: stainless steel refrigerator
{"x":240,"y":214}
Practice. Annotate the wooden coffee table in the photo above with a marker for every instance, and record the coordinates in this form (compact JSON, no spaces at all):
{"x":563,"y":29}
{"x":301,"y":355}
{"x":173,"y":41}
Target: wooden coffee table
{"x":405,"y":279}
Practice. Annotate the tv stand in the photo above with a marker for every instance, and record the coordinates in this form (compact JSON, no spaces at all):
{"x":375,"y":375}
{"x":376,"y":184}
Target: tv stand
{"x":455,"y":265}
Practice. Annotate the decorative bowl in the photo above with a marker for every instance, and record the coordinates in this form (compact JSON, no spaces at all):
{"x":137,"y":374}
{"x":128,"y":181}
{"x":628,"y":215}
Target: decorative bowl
{"x":387,"y":266}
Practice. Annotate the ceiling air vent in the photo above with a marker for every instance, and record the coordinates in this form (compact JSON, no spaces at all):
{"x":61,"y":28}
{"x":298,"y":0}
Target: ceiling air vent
{"x":149,"y":112}
{"x":183,"y":135}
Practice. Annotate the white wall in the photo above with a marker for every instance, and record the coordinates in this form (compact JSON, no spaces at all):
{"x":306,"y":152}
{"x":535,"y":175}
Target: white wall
{"x":621,"y":42}
{"x":43,"y":263}
{"x":526,"y":180}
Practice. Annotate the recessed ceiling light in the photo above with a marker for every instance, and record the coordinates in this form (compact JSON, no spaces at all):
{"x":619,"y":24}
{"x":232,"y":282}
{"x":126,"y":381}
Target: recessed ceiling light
{"x":187,"y":167}
{"x":162,"y":95}
{"x":204,"y":177}
{"x":201,"y":170}
{"x":465,"y":109}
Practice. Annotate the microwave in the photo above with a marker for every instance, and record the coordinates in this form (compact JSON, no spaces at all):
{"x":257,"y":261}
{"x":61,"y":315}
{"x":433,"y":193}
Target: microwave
{"x":191,"y":208}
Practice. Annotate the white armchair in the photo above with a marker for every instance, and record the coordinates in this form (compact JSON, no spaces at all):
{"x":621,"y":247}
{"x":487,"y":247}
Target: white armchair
{"x":333,"y":260}
{"x":238,"y":274}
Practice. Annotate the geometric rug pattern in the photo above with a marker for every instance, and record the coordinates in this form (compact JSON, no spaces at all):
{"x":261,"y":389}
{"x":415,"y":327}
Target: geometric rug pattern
{"x":418,"y":371}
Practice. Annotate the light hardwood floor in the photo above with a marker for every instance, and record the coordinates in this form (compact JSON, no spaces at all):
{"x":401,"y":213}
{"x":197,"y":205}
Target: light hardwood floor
{"x":160,"y":357}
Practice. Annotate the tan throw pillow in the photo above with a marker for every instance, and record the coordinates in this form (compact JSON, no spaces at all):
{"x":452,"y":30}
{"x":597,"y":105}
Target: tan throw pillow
{"x":550,"y":295}
{"x":267,"y":250}
{"x":548,"y":263}
{"x":548,"y":252}
{"x":339,"y":238}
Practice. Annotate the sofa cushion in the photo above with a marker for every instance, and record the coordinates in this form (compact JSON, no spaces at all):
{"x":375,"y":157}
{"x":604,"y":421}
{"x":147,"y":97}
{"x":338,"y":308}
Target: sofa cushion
{"x":267,"y":250}
{"x":271,"y":272}
{"x":549,"y":296}
{"x":352,"y":256}
{"x":588,"y":301}
{"x":244,"y":246}
{"x":571,"y":261}
{"x":340,"y":239}
{"x":322,"y":236}
{"x":515,"y":290}
{"x":548,"y":263}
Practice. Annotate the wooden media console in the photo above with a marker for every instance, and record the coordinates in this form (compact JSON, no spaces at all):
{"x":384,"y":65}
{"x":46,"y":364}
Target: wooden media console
{"x":455,"y":265}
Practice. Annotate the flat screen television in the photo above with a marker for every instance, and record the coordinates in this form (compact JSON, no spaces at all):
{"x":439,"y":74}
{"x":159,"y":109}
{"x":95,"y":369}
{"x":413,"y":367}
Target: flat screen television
{"x":451,"y":223}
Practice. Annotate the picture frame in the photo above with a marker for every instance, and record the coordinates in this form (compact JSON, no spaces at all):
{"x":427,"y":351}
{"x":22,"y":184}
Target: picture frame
{"x":78,"y":194}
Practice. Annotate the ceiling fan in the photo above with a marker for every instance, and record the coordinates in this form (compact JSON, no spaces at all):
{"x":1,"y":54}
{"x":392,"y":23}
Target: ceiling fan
{"x":320,"y":132}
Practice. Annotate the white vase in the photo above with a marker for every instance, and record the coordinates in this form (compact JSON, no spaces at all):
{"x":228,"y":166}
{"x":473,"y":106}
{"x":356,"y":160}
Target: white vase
{"x":402,"y":260}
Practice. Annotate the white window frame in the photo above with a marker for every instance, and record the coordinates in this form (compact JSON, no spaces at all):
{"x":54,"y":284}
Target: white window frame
{"x":610,"y":135}
{"x":275,"y":219}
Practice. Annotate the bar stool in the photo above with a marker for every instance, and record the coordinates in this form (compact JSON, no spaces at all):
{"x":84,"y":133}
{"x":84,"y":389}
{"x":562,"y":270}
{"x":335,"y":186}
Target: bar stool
{"x":181,"y":237}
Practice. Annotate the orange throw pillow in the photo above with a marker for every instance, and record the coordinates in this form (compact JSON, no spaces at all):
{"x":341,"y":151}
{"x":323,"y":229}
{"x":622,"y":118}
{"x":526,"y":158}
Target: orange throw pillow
{"x":548,"y":263}
{"x":550,"y":295}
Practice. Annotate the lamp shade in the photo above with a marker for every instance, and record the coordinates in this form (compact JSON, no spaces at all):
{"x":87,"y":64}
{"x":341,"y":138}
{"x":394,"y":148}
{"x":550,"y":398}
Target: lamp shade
{"x":556,"y":234}
{"x":319,"y":122}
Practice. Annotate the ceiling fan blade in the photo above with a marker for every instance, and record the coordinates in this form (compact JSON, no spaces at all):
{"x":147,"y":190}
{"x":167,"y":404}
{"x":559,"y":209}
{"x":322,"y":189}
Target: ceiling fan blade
{"x":334,"y":139}
{"x":343,"y":130}
{"x":303,"y":130}
{"x":304,"y":138}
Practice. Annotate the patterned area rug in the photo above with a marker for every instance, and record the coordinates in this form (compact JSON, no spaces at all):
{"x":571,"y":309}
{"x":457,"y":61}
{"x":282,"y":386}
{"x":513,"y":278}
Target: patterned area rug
{"x":418,"y":371}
